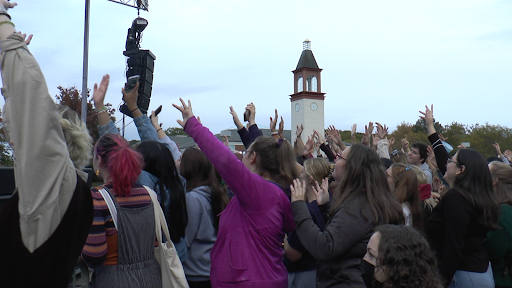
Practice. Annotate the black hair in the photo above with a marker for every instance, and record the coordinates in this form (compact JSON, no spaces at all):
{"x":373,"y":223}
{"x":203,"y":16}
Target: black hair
{"x":407,"y":257}
{"x":422,"y":148}
{"x":475,"y":184}
{"x":159,"y":162}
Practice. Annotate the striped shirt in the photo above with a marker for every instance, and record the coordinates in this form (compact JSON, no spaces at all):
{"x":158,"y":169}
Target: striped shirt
{"x":101,"y":245}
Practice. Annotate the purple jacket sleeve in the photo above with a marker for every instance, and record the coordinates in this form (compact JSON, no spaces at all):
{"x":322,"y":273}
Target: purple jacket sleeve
{"x":252,"y":191}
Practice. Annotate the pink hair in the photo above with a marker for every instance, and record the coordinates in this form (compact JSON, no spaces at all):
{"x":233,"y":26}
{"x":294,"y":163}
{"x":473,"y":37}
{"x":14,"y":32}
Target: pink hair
{"x":123,"y":163}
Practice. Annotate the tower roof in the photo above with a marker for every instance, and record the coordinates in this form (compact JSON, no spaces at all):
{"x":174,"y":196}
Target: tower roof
{"x":307,"y":60}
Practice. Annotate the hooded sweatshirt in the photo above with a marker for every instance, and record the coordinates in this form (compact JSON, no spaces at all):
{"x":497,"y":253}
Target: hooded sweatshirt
{"x":200,"y":235}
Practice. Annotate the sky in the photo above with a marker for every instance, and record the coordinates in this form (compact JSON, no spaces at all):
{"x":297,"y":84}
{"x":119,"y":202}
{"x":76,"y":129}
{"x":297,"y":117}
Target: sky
{"x":382,"y":60}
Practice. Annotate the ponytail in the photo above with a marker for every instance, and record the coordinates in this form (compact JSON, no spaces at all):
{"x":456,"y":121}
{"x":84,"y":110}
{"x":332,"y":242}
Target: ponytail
{"x":122,"y":162}
{"x":276,"y":159}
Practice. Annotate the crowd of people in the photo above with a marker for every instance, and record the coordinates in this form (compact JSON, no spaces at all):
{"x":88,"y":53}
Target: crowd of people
{"x":319,"y":213}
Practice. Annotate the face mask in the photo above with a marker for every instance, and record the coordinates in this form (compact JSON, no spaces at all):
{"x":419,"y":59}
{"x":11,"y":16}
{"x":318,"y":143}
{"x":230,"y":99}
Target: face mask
{"x":367,"y":271}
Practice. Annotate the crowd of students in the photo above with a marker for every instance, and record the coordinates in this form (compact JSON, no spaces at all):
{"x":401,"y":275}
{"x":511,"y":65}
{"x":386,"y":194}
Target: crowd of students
{"x":276,"y":215}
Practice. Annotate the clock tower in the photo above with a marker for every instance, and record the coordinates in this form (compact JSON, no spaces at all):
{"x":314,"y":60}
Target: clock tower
{"x":307,"y":101}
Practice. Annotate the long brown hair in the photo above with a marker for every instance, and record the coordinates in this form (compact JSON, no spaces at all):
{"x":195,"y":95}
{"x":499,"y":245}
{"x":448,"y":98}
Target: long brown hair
{"x":406,"y":191}
{"x":199,"y":171}
{"x":276,"y":159}
{"x":364,"y":177}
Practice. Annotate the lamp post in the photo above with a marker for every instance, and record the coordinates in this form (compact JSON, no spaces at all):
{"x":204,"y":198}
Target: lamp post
{"x":85,"y":70}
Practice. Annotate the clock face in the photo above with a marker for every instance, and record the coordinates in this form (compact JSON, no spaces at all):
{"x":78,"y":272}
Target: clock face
{"x":297,"y":107}
{"x":314,"y":106}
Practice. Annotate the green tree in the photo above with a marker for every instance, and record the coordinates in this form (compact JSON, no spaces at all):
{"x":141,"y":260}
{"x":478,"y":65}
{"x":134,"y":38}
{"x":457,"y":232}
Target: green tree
{"x":483,"y":136}
{"x":5,"y":149}
{"x":72,"y":98}
{"x":421,"y":126}
{"x":172,"y":131}
{"x":407,"y":130}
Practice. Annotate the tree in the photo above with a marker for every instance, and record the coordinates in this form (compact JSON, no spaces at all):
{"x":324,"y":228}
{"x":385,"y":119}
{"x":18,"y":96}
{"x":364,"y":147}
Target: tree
{"x":72,"y":98}
{"x":483,"y":136}
{"x":5,"y":149}
{"x":421,"y":126}
{"x":172,"y":131}
{"x":413,"y":135}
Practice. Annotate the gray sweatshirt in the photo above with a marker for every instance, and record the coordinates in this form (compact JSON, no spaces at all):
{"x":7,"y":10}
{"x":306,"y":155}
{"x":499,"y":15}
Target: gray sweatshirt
{"x":200,"y":234}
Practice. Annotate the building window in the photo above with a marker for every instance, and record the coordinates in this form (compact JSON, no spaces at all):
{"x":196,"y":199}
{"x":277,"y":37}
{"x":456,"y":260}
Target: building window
{"x":300,"y":84}
{"x":311,"y":84}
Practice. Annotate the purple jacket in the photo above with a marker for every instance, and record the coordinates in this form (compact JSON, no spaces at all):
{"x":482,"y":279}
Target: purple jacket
{"x":248,"y":251}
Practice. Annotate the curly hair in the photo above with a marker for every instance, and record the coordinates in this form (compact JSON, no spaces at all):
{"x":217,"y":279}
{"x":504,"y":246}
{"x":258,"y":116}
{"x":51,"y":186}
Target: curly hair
{"x":408,"y":260}
{"x":77,"y":137}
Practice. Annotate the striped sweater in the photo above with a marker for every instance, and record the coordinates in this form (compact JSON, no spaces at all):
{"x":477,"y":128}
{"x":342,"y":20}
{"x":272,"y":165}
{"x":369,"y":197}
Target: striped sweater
{"x":101,"y":245}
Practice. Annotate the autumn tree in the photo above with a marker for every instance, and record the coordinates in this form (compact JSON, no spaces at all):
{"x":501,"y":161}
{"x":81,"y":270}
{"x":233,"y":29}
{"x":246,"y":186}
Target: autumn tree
{"x":72,"y":98}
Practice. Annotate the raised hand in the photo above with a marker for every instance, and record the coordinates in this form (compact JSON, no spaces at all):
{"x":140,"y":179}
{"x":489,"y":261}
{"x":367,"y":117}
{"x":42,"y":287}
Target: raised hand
{"x":225,"y":140}
{"x":130,"y":98}
{"x":252,"y":113}
{"x":375,"y":140}
{"x":186,"y":112}
{"x":391,"y":142}
{"x":319,"y":139}
{"x":405,"y":144}
{"x":382,"y":131}
{"x":443,"y":138}
{"x":368,"y":129}
{"x":428,"y":116}
{"x":154,"y":120}
{"x":298,"y":133}
{"x":497,"y":147}
{"x":298,"y":189}
{"x":8,"y":4}
{"x":431,"y":156}
{"x":353,"y":134}
{"x":333,"y":134}
{"x":308,"y":147}
{"x":273,"y":122}
{"x":238,"y":124}
{"x":321,"y":192}
{"x":27,"y":40}
{"x":100,"y":91}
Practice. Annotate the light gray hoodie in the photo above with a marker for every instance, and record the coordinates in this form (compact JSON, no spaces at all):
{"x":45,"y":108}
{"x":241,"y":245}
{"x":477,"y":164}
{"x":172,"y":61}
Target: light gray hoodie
{"x":200,"y":234}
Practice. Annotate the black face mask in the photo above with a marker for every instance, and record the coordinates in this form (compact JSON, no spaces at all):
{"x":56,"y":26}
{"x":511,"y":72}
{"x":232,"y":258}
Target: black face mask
{"x":367,"y":271}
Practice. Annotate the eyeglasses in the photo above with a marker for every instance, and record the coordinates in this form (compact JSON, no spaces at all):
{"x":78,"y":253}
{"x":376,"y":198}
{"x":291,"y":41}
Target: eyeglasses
{"x":338,"y":157}
{"x":452,"y":161}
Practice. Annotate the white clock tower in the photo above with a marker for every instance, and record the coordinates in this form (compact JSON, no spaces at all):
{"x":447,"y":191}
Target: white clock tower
{"x":307,"y":100}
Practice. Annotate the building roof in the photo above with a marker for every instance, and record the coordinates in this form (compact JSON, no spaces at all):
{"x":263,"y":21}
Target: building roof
{"x":185,"y":141}
{"x":307,"y":60}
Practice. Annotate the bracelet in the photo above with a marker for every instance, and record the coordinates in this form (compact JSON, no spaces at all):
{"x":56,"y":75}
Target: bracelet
{"x":158,"y":129}
{"x":6,"y":22}
{"x":3,"y":11}
{"x":134,"y":110}
{"x":275,"y":133}
{"x":101,"y":111}
{"x":104,"y":108}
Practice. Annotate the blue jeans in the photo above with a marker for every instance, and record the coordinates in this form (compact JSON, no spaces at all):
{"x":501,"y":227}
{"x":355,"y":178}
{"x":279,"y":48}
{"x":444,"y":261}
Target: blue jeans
{"x":465,"y":279}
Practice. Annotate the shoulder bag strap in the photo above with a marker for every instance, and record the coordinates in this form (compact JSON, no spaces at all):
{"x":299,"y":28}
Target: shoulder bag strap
{"x":160,"y":223}
{"x":110,"y":204}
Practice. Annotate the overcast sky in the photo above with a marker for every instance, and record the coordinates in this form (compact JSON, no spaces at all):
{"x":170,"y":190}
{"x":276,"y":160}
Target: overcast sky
{"x":382,"y":60}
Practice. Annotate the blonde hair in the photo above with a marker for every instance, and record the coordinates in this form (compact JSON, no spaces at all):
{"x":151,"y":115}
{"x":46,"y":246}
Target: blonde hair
{"x":422,"y":178}
{"x":77,"y":137}
{"x":317,"y":168}
{"x":502,"y":189}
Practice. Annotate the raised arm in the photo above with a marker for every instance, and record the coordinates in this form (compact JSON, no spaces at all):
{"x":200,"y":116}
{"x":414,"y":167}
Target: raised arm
{"x":235,"y":174}
{"x":45,"y":175}
{"x":439,"y":150}
{"x":105,"y":124}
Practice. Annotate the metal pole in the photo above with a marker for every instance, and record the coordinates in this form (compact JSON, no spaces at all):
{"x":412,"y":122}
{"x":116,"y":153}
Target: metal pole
{"x":86,"y":61}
